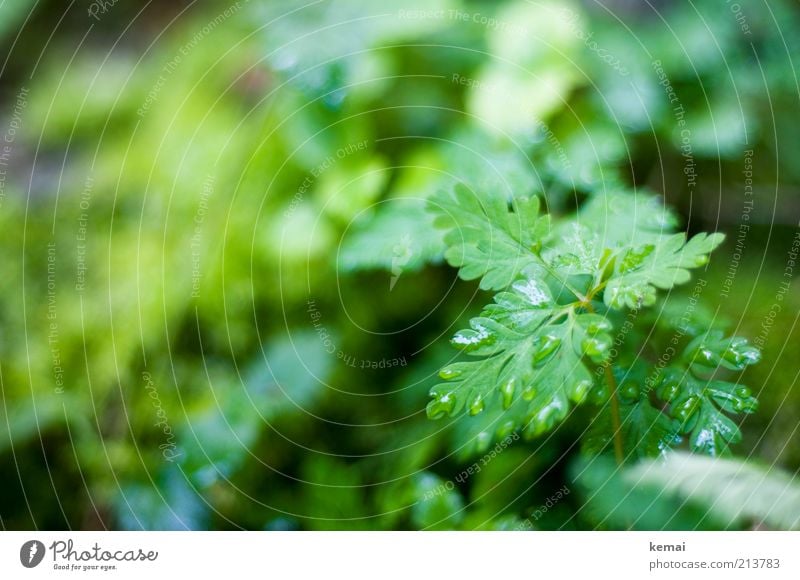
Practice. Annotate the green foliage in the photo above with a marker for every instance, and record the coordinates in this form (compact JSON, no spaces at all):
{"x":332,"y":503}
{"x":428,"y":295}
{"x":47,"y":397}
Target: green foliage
{"x":392,"y":239}
{"x":688,"y":491}
{"x":645,"y":430}
{"x":732,"y":491}
{"x":547,"y":337}
{"x":336,"y":155}
{"x":697,"y":400}
{"x":485,"y":239}
{"x":641,"y":270}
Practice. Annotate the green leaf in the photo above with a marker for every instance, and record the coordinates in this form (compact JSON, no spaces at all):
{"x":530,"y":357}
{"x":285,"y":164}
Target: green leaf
{"x":533,"y":350}
{"x":667,"y":264}
{"x":734,"y":492}
{"x":645,"y":430}
{"x":628,"y":218}
{"x":539,"y":338}
{"x":400,"y":237}
{"x":613,"y":500}
{"x":699,"y":402}
{"x":712,"y":350}
{"x":486,"y":238}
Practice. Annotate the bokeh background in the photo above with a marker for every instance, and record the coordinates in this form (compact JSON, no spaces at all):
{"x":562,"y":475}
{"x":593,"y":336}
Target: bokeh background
{"x":222,"y":302}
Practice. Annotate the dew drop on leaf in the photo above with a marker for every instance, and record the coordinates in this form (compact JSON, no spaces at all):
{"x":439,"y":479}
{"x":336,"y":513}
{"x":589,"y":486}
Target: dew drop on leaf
{"x":741,"y":355}
{"x":449,"y":374}
{"x":629,"y":391}
{"x":531,"y":290}
{"x":595,"y":348}
{"x":547,"y":417}
{"x":580,"y":390}
{"x":669,"y":391}
{"x":469,"y":340}
{"x":599,"y":394}
{"x":476,"y":405}
{"x":545,"y":346}
{"x":686,"y":409}
{"x":441,"y":406}
{"x":507,"y":392}
{"x":506,"y":429}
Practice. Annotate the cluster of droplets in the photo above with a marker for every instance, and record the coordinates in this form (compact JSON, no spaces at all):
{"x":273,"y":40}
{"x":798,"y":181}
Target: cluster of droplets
{"x":532,"y":291}
{"x":473,"y":339}
{"x":686,"y":396}
{"x":547,"y":417}
{"x":595,"y":342}
{"x":685,"y":409}
{"x":633,"y":296}
{"x":713,"y":351}
{"x":543,"y":418}
{"x":732,"y":397}
{"x":444,"y":403}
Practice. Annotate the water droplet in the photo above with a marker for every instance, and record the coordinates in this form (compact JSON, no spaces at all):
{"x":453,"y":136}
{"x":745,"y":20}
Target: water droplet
{"x":507,"y":392}
{"x":705,"y":354}
{"x":599,"y":394}
{"x":596,"y":348}
{"x":669,"y":391}
{"x":629,"y":391}
{"x":580,"y":390}
{"x":469,"y":340}
{"x":545,"y":346}
{"x":548,"y":416}
{"x":449,"y":373}
{"x":529,"y":393}
{"x":598,"y":324}
{"x":441,"y":406}
{"x":532,"y":291}
{"x":752,"y":355}
{"x":506,"y":429}
{"x":749,"y":405}
{"x":476,"y":405}
{"x":685,"y":410}
{"x":741,"y":355}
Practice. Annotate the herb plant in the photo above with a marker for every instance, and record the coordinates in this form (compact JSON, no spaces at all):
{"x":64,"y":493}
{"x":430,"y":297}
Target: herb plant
{"x":568,"y":325}
{"x":223,"y":289}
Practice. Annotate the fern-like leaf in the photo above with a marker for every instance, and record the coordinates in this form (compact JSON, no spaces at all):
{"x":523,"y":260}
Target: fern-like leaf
{"x":732,"y":491}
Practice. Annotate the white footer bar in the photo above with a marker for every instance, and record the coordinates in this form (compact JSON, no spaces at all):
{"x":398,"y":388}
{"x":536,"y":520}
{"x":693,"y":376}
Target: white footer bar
{"x":401,"y":555}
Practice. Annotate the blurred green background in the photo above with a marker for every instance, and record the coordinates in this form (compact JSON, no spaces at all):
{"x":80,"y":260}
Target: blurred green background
{"x":222,"y":303}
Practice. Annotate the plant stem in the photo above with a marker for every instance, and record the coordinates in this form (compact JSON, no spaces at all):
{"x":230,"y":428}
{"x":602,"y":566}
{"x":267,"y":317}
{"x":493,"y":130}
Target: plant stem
{"x":616,"y":420}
